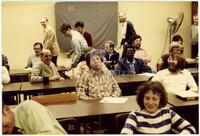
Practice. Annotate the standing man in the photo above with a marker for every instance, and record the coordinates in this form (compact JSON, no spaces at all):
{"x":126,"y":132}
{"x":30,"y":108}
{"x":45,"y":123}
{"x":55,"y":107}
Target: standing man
{"x":79,"y":26}
{"x":194,"y":36}
{"x":50,"y":40}
{"x":128,"y":31}
{"x":78,"y":43}
{"x":140,"y":52}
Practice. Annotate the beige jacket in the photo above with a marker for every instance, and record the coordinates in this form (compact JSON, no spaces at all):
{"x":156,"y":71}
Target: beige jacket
{"x":50,"y":41}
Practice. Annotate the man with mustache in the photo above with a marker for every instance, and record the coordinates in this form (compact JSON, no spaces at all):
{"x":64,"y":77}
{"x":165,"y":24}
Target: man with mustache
{"x":140,"y":52}
{"x":176,"y":78}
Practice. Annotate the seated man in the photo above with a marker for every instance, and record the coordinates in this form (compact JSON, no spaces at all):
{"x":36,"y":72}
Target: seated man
{"x":131,"y":65}
{"x":176,"y":78}
{"x":179,"y":39}
{"x":98,"y":82}
{"x":140,"y":52}
{"x":5,"y":62}
{"x":174,"y":48}
{"x":34,"y":58}
{"x":110,"y":55}
{"x":29,"y":117}
{"x":44,"y":68}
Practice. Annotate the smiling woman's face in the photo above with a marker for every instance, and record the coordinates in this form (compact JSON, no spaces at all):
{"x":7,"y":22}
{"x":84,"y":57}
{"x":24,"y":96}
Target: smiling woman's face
{"x":151,"y":101}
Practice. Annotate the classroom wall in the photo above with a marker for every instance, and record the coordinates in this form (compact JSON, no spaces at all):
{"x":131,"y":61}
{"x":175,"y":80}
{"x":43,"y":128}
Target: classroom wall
{"x":21,"y":27}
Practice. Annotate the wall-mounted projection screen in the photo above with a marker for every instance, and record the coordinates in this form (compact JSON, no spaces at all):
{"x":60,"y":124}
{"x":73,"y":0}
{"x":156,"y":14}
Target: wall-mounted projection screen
{"x":100,"y":19}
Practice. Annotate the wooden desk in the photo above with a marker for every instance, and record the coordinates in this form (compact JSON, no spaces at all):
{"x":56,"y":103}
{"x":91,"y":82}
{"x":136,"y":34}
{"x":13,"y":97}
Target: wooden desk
{"x":188,"y":109}
{"x":191,"y":63}
{"x":193,"y":70}
{"x":83,"y":108}
{"x":12,"y":89}
{"x":19,"y":75}
{"x":178,"y":102}
{"x":54,"y":87}
{"x":131,"y":83}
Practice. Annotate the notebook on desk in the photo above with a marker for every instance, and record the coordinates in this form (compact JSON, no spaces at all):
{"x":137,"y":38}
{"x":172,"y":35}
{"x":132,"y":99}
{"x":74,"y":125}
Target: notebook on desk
{"x":187,"y":95}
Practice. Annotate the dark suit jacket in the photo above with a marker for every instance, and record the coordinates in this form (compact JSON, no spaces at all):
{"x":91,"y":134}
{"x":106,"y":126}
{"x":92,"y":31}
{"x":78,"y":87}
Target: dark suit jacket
{"x":88,"y":38}
{"x":124,"y":68}
{"x":130,"y":33}
{"x":114,"y":58}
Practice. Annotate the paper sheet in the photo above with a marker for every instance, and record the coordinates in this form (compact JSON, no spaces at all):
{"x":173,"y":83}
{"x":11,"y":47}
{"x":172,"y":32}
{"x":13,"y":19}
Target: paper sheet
{"x":186,"y":94}
{"x":114,"y":100}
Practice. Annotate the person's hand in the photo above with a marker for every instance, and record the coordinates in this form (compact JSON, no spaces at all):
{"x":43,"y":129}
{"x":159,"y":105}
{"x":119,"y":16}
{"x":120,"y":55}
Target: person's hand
{"x":54,"y":78}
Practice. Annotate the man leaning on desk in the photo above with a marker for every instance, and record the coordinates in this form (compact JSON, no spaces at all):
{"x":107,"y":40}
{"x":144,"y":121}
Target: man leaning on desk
{"x":45,"y":68}
{"x":98,"y":82}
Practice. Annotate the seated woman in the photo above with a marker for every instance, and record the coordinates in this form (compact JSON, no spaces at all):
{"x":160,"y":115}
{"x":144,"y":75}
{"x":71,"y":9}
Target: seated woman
{"x":45,"y":68}
{"x":154,"y":117}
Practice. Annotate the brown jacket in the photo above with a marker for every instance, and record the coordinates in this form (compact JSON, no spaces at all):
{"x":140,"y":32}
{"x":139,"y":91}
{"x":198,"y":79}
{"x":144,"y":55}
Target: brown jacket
{"x":50,"y":41}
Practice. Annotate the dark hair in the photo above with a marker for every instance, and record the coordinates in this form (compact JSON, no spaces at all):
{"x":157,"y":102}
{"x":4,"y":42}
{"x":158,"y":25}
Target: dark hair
{"x":177,"y":38}
{"x":65,"y":27}
{"x":125,"y":49}
{"x":181,"y":62}
{"x":157,"y":88}
{"x":38,"y":43}
{"x":111,"y":43}
{"x":136,"y":37}
{"x":174,"y":46}
{"x":91,"y":54}
{"x":81,"y":24}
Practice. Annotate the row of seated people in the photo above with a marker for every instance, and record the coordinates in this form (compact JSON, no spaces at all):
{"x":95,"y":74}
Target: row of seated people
{"x":152,"y":117}
{"x":98,"y":82}
{"x":126,"y":65}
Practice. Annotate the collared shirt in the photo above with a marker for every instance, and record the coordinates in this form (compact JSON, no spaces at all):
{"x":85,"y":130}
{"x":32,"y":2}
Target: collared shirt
{"x":5,"y":75}
{"x":78,"y":44}
{"x":32,"y":60}
{"x":97,"y":85}
{"x":142,"y":54}
{"x":124,"y":26}
{"x":132,"y":66}
{"x":176,"y":82}
{"x":41,"y":70}
{"x":33,"y":118}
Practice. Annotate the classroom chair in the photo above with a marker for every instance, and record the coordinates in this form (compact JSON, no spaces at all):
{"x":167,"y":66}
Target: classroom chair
{"x":120,"y":120}
{"x":71,"y":125}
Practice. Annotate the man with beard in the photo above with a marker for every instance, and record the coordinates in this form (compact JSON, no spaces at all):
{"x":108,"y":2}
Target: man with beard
{"x":140,"y":52}
{"x":131,"y":65}
{"x":98,"y":82}
{"x":128,"y":31}
{"x":176,"y":78}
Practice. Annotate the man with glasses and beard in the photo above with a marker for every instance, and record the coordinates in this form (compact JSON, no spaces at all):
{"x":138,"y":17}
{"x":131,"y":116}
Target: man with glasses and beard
{"x":176,"y":78}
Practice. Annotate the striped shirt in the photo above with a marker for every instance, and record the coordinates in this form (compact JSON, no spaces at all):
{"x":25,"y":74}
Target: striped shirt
{"x":92,"y":85}
{"x":160,"y":122}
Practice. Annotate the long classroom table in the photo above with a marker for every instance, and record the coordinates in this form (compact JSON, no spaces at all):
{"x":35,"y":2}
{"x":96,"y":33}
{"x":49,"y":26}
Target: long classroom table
{"x":188,"y":109}
{"x":128,"y":85}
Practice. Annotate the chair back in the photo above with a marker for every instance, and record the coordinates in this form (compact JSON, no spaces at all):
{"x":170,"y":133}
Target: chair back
{"x":120,"y":120}
{"x":70,"y":125}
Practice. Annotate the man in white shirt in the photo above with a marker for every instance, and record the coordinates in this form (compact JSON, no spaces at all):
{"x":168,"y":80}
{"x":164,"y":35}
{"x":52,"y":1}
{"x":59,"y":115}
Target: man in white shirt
{"x":78,"y":43}
{"x":35,"y":58}
{"x":176,"y":78}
